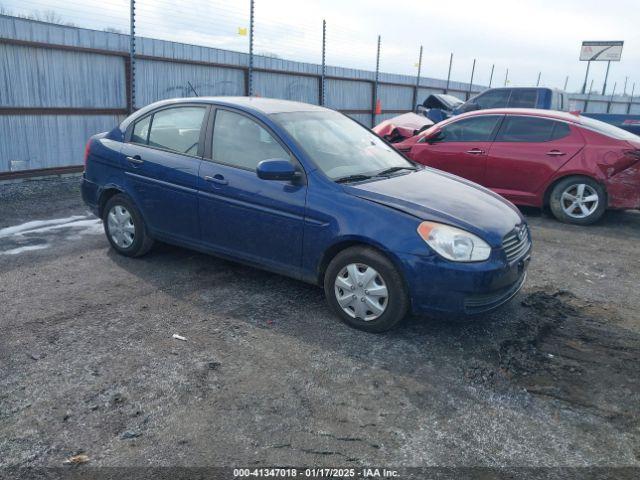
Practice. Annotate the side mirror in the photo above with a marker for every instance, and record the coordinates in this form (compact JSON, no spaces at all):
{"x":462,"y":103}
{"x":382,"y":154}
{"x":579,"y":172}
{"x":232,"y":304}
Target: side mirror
{"x":276,"y":169}
{"x":434,"y":137}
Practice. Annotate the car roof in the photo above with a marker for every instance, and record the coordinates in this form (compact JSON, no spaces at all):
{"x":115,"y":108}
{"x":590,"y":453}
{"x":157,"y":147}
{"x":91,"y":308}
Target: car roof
{"x":265,"y":106}
{"x":533,"y":112}
{"x":259,"y":104}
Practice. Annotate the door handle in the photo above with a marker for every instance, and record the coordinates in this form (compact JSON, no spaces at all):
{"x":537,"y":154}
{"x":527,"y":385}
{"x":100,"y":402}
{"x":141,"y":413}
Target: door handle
{"x":555,"y":153}
{"x":475,"y":151}
{"x":217,"y":178}
{"x":135,"y":159}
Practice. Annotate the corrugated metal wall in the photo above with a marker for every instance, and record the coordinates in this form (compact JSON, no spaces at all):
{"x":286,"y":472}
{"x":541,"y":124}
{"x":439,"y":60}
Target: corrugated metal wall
{"x":83,"y":73}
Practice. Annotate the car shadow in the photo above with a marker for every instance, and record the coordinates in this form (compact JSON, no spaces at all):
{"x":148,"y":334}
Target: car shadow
{"x":534,"y":344}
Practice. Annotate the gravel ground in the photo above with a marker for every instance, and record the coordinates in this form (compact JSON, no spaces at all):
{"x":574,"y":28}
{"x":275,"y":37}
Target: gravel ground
{"x":267,"y":376}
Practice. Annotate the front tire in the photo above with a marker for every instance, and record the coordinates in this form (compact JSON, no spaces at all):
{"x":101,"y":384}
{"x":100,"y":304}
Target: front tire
{"x":366,"y":290}
{"x":578,"y":200}
{"x":125,"y":228}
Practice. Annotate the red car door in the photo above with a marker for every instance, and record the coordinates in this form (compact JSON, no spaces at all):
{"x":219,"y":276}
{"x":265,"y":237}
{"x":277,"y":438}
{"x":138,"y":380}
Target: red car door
{"x":461,"y":147}
{"x":525,"y":153}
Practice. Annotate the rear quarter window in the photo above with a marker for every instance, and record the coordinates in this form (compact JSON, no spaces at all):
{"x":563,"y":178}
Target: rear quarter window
{"x":525,"y":129}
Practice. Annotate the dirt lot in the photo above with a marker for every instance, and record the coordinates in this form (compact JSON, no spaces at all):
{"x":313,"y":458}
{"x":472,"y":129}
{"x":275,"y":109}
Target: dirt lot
{"x":268,"y":377}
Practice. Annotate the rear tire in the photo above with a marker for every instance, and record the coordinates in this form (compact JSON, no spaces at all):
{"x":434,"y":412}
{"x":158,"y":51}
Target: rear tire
{"x":125,"y":228}
{"x":578,"y":200}
{"x":366,"y":290}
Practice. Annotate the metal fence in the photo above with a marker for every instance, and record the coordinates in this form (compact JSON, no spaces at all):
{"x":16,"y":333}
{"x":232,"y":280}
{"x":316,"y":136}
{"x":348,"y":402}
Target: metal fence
{"x":62,"y":83}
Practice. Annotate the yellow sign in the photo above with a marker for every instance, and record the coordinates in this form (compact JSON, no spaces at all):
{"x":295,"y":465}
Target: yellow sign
{"x":242,"y":31}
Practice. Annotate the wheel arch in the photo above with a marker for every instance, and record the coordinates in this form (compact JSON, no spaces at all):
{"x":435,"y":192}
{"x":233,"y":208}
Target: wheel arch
{"x":345,"y":243}
{"x":107,"y":193}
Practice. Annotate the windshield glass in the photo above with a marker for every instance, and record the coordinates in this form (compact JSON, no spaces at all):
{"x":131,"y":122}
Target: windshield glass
{"x":607,"y":129}
{"x":339,"y":146}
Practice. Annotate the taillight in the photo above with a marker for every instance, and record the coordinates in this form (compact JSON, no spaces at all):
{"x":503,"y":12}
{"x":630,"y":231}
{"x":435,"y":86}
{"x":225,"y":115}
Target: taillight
{"x":87,"y":149}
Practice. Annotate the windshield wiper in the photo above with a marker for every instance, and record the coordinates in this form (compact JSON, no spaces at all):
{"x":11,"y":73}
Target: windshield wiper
{"x":353,"y":178}
{"x":393,"y":170}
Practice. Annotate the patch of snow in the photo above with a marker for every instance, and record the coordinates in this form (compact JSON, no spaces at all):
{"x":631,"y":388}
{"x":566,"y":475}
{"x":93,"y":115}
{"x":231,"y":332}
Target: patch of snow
{"x":27,"y":248}
{"x":25,"y":227}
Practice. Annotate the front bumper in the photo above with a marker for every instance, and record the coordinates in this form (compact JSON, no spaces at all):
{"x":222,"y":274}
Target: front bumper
{"x":437,"y":285}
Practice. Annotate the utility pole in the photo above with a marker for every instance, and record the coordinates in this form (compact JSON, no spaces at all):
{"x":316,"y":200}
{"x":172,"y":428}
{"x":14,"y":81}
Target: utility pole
{"x":566,"y":81}
{"x":491,"y":76}
{"x":506,"y":78}
{"x":538,"y":82}
{"x":415,"y":91}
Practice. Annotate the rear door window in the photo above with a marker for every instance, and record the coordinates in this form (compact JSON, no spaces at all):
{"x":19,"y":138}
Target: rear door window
{"x":177,"y":129}
{"x":560,"y":130}
{"x":526,"y":129}
{"x":476,"y":129}
{"x":523,"y":98}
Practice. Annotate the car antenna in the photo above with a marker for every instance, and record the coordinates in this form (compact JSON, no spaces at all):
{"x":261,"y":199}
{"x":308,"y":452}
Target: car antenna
{"x":193,"y":89}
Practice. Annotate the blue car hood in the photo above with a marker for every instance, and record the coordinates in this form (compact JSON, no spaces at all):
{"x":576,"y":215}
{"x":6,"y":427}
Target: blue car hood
{"x":441,"y":197}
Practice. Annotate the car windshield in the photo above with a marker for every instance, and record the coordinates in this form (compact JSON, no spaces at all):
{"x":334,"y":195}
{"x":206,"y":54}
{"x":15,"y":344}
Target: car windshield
{"x":607,"y":129}
{"x":339,"y":146}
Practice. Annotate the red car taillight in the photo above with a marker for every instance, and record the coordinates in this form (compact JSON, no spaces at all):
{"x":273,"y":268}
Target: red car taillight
{"x":87,"y":149}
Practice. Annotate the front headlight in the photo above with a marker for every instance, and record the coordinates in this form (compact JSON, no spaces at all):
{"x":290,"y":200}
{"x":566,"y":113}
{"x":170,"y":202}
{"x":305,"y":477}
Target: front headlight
{"x":453,"y":243}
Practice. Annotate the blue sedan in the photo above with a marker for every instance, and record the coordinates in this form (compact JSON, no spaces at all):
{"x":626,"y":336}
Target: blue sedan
{"x":307,"y":192}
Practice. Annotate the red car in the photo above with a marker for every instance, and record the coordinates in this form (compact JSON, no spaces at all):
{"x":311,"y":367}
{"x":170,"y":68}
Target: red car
{"x":576,"y":165}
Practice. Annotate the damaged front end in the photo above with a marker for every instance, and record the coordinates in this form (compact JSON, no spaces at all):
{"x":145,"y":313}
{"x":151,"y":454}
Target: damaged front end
{"x":398,"y":129}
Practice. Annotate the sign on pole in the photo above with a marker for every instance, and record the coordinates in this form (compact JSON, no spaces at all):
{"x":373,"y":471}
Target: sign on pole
{"x":601,"y":51}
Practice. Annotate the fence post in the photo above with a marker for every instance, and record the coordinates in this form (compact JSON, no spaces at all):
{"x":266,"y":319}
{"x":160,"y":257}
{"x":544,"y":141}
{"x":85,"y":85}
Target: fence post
{"x":415,"y":90}
{"x":566,"y":81}
{"x":131,"y":77}
{"x":491,"y":76}
{"x":506,"y":77}
{"x":374,"y":103}
{"x":324,"y":65}
{"x":473,"y":70}
{"x":250,"y":71}
{"x":446,"y":89}
{"x":633,"y":87}
{"x":538,"y":81}
{"x":624,"y":90}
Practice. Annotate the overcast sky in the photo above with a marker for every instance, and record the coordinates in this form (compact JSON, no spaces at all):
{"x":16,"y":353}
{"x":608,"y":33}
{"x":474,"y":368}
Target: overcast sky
{"x":525,"y":36}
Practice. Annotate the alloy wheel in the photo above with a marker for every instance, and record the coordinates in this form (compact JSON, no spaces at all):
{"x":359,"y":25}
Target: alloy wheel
{"x":579,"y":200}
